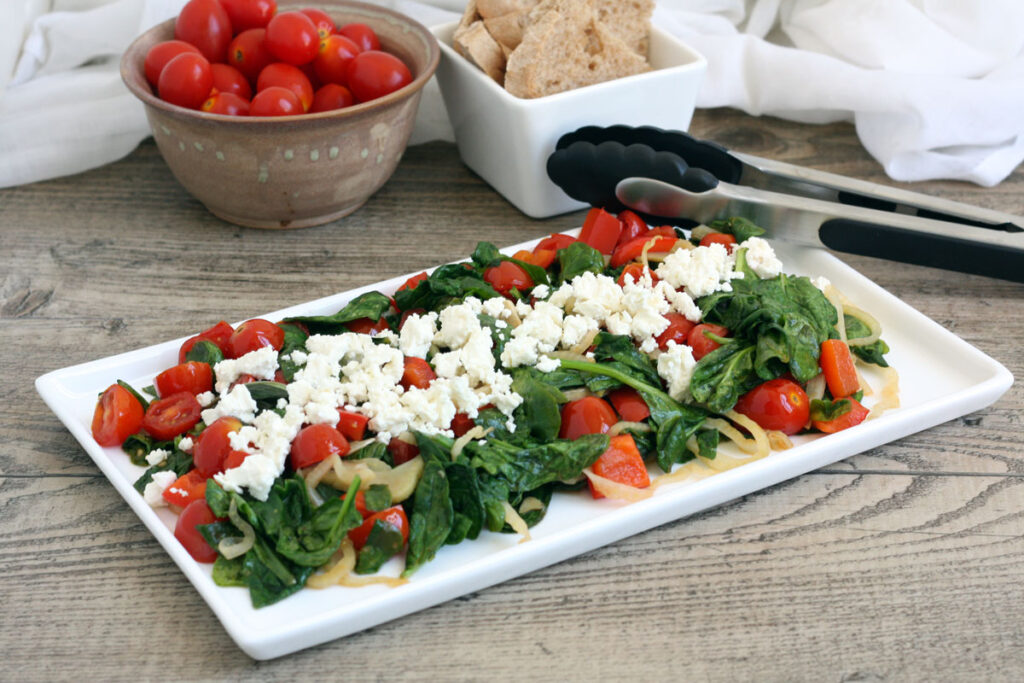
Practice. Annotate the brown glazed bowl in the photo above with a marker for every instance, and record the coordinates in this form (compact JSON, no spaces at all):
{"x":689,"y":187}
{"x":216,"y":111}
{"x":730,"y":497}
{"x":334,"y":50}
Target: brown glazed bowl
{"x":290,"y":171}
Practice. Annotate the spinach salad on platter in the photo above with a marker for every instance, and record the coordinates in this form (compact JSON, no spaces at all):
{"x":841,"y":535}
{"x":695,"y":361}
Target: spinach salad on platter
{"x":309,"y":452}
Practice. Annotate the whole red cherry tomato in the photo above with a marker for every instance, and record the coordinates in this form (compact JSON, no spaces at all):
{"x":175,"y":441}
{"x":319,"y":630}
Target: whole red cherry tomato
{"x":331,"y":96}
{"x":701,"y":344}
{"x":331,"y":63}
{"x":292,"y":37}
{"x":373,"y":74}
{"x":229,"y":79}
{"x":205,"y":24}
{"x":778,"y":404}
{"x":118,"y":415}
{"x":195,"y":514}
{"x":362,"y":35}
{"x":186,"y":80}
{"x":168,"y":417}
{"x":248,"y":53}
{"x":213,"y":445}
{"x":193,"y":377}
{"x":287,"y":76}
{"x":160,"y":54}
{"x":255,"y":334}
{"x":248,"y":14}
{"x":227,"y":103}
{"x":678,"y":330}
{"x":507,"y":276}
{"x":275,"y":101}
{"x":588,"y":415}
{"x":322,"y":21}
{"x":315,"y":443}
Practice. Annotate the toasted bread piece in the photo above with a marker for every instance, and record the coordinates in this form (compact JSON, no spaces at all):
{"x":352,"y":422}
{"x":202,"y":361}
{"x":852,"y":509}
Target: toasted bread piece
{"x":629,"y":20}
{"x":468,"y":17}
{"x":508,"y":29}
{"x":489,"y":9}
{"x":477,"y":45}
{"x":566,"y":47}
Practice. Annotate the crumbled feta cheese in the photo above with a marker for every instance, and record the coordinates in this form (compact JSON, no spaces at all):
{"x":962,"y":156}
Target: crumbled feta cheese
{"x":153,"y":494}
{"x":236,"y":403}
{"x":456,"y":323}
{"x":496,"y":307}
{"x":261,"y":364}
{"x":541,"y":292}
{"x":761,"y":258}
{"x":298,"y":356}
{"x":157,"y":456}
{"x":575,"y":328}
{"x":206,"y":398}
{"x":675,"y":366}
{"x":821,"y":282}
{"x":186,"y":444}
{"x":548,"y":364}
{"x":702,"y":271}
{"x":417,"y":334}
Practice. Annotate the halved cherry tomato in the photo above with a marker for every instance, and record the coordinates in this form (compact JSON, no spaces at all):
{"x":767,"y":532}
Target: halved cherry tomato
{"x":292,"y":37}
{"x":249,"y":14}
{"x":461,"y":424}
{"x":351,"y":425}
{"x":195,"y":514}
{"x":413,"y":281}
{"x":661,"y":231}
{"x":395,"y":516}
{"x":229,"y":79}
{"x":632,"y":226}
{"x":628,"y":403}
{"x":401,"y":451}
{"x":554,"y":242}
{"x":186,"y":80}
{"x":276,"y":101}
{"x":219,"y":334}
{"x":601,"y":230}
{"x":725,"y":239}
{"x":678,"y":330}
{"x":332,"y":60}
{"x":167,"y":417}
{"x":362,"y":35}
{"x":630,"y":251}
{"x":374,"y":74}
{"x":227,"y":103}
{"x":287,"y":76}
{"x":188,"y":487}
{"x":118,"y":415}
{"x":587,"y":415}
{"x":840,"y":372}
{"x":254,"y":334}
{"x":315,"y":443}
{"x":507,"y":276}
{"x":359,"y":503}
{"x":636,"y":271}
{"x":234,"y":459}
{"x":249,"y":54}
{"x":417,"y":373}
{"x":193,"y":377}
{"x":213,"y":445}
{"x":778,"y":404}
{"x":160,"y":54}
{"x":701,"y":344}
{"x":330,"y":97}
{"x":368,"y":326}
{"x":205,"y":24}
{"x":322,"y":21}
{"x":621,"y":463}
{"x":854,"y":417}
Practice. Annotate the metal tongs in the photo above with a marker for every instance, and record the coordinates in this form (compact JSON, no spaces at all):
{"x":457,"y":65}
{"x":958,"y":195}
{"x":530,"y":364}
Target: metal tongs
{"x":671,"y":175}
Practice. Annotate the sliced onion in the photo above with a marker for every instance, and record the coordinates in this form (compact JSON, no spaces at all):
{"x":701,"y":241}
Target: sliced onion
{"x":408,"y":437}
{"x":570,"y":355}
{"x":231,"y":548}
{"x":779,"y":441}
{"x":517,"y":523}
{"x":867,"y":319}
{"x":337,"y":568}
{"x":615,"y":490}
{"x":622,"y":426}
{"x":815,"y":388}
{"x":580,"y":347}
{"x":576,"y":394}
{"x":314,"y":475}
{"x":352,"y":581}
{"x":701,"y":231}
{"x":476,"y":432}
{"x":836,"y":299}
{"x":529,"y":504}
{"x":889,"y":395}
{"x":401,"y":480}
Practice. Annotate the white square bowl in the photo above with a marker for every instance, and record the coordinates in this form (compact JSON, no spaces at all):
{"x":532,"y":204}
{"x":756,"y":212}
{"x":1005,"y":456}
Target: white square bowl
{"x":506,"y":140}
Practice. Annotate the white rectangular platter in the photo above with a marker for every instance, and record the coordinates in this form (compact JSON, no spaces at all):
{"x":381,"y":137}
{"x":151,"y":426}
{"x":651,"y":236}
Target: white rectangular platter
{"x":941,"y":377}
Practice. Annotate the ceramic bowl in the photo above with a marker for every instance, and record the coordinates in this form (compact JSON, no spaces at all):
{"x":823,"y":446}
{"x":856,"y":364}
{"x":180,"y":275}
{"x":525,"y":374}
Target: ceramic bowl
{"x":290,"y":171}
{"x":506,"y":140}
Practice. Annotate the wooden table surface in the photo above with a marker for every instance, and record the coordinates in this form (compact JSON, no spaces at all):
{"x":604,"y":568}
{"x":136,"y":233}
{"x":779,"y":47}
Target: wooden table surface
{"x":905,"y":562}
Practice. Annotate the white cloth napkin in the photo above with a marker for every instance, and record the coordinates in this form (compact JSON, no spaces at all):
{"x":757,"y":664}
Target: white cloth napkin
{"x":935,"y":88}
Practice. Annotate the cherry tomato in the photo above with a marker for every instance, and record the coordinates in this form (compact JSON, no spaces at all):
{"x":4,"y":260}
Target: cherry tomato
{"x":661,"y":231}
{"x":632,"y":226}
{"x":601,"y":230}
{"x":118,"y":415}
{"x":854,"y":417}
{"x":507,"y":276}
{"x":172,"y":415}
{"x":205,"y":24}
{"x":249,"y":14}
{"x":362,"y":35}
{"x":554,"y":242}
{"x":249,"y":54}
{"x":402,"y":452}
{"x":322,"y":21}
{"x":360,"y":504}
{"x":351,"y":425}
{"x":588,"y":415}
{"x":678,"y":330}
{"x":186,"y":80}
{"x":292,"y":37}
{"x":188,"y":487}
{"x":778,"y":404}
{"x":284,"y":75}
{"x":255,"y":334}
{"x":213,"y":445}
{"x":193,"y":377}
{"x":406,"y":314}
{"x":628,"y":403}
{"x":636,"y":271}
{"x":227,"y":103}
{"x":413,"y":281}
{"x":335,"y":54}
{"x":374,"y":74}
{"x":700,"y":343}
{"x":461,"y":424}
{"x":315,"y":443}
{"x":630,"y":251}
{"x":368,"y":326}
{"x":417,"y":373}
{"x":276,"y":101}
{"x":160,"y":54}
{"x":723,"y":238}
{"x":197,"y":513}
{"x":331,"y":96}
{"x":621,"y":463}
{"x":395,"y":516}
{"x":219,"y":334}
{"x":229,"y":79}
{"x":234,"y":459}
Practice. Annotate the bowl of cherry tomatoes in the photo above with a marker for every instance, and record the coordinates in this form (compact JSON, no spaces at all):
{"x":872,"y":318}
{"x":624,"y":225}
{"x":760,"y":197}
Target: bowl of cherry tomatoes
{"x":278,"y":116}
